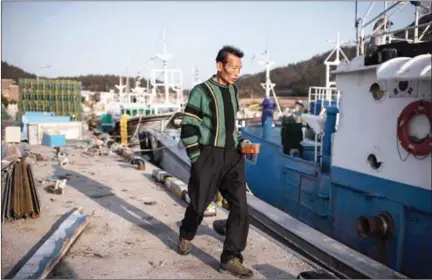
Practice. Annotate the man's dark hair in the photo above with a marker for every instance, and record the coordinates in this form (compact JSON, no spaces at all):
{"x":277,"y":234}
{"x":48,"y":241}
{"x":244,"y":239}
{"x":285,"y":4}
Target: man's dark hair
{"x":223,"y":53}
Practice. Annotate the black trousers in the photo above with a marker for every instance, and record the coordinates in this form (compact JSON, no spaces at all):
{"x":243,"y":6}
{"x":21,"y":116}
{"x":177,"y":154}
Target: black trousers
{"x":223,"y":169}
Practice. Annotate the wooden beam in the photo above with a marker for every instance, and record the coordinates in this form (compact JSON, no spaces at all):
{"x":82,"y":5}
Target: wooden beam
{"x":46,"y":257}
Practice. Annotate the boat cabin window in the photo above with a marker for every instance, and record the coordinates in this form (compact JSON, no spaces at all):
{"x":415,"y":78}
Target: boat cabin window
{"x":373,"y":162}
{"x":377,"y":91}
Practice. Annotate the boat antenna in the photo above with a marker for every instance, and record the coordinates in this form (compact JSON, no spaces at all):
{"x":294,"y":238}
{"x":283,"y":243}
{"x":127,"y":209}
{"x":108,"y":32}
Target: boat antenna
{"x":356,"y":25}
{"x":268,"y":86}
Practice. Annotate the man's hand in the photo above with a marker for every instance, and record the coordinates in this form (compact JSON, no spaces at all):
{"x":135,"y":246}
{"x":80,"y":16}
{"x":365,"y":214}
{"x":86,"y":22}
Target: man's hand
{"x":193,"y":159}
{"x":244,"y":141}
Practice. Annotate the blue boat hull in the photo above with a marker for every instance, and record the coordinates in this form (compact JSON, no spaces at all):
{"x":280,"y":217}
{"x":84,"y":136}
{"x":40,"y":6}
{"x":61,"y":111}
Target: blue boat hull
{"x":332,"y":202}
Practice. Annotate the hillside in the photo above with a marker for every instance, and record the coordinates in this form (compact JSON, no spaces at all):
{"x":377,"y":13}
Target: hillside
{"x":90,"y":82}
{"x":12,"y":72}
{"x":293,"y":79}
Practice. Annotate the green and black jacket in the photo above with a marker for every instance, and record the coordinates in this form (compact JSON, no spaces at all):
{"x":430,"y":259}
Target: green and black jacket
{"x":210,"y":118}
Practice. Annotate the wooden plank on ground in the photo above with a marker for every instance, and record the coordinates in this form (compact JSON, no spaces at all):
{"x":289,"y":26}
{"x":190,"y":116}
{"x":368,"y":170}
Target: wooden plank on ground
{"x":43,"y":261}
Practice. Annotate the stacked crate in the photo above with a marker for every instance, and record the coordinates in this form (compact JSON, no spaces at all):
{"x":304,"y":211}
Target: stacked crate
{"x":62,"y":97}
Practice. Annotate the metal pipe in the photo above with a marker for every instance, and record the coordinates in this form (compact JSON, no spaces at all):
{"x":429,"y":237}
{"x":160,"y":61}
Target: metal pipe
{"x":384,"y":23}
{"x":402,"y":29}
{"x":386,"y":20}
{"x":382,"y":13}
{"x":330,"y":128}
{"x":362,"y":39}
{"x":355,"y":15}
{"x":416,"y":21}
{"x":424,"y":33}
{"x":375,"y":226}
{"x":369,"y":9}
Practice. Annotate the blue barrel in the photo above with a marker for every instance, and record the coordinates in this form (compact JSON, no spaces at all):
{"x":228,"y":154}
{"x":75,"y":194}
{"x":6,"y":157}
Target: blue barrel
{"x":316,"y":106}
{"x":312,"y":108}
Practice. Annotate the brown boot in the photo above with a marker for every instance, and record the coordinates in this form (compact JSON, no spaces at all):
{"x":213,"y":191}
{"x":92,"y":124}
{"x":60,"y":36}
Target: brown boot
{"x":236,"y":268}
{"x":219,"y":199}
{"x":184,"y":246}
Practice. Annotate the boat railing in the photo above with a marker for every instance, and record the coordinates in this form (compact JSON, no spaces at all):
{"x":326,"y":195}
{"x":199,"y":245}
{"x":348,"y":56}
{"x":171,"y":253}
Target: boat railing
{"x":381,"y":26}
{"x":321,"y":97}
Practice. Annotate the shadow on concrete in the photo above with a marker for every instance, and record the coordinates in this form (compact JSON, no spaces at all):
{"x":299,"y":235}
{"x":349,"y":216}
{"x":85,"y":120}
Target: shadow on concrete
{"x":127,"y":165}
{"x":202,"y":230}
{"x":149,"y":177}
{"x":62,"y":271}
{"x":104,"y":196}
{"x":271,"y":272}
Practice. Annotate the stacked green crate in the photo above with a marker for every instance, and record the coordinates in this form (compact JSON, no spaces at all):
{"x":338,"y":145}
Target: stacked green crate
{"x":62,"y":97}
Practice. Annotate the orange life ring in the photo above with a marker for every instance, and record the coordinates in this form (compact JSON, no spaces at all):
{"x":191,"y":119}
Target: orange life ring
{"x":420,"y":107}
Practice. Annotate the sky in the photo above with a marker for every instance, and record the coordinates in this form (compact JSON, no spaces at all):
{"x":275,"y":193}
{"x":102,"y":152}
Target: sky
{"x":109,"y":37}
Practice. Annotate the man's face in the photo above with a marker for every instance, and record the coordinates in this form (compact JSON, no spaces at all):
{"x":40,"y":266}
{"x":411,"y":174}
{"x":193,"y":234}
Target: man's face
{"x":231,"y":70}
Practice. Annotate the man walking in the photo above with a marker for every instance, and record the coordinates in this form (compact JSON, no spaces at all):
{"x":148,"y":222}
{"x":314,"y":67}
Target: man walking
{"x":213,"y":145}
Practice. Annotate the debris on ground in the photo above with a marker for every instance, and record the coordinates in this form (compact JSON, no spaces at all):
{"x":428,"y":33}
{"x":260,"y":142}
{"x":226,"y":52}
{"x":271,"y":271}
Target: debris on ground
{"x":58,"y":187}
{"x":37,"y":156}
{"x":63,"y":161}
{"x":133,"y":219}
{"x":151,"y":202}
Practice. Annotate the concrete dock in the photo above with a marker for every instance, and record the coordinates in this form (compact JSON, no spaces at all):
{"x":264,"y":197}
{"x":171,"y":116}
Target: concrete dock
{"x":133,"y":228}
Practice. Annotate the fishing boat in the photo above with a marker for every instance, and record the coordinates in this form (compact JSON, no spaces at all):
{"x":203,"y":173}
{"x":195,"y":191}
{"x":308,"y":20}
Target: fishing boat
{"x":363,"y":179}
{"x":143,"y":103}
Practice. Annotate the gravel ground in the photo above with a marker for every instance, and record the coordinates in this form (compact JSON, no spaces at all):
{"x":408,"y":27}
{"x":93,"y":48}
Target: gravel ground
{"x":133,"y":227}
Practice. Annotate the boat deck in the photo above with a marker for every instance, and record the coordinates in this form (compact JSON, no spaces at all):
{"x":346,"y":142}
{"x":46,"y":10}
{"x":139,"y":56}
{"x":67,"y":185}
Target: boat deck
{"x":133,"y":228}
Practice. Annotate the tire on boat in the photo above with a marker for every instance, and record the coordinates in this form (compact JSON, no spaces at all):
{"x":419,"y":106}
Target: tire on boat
{"x":149,"y":146}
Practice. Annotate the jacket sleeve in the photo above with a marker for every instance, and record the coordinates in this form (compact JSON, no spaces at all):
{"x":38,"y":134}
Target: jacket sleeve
{"x":190,"y":124}
{"x":240,"y":138}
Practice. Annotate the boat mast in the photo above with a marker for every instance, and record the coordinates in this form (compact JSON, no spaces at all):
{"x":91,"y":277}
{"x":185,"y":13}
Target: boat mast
{"x":356,"y":25}
{"x":172,"y":79}
{"x":164,"y":57}
{"x":338,"y":51}
{"x":268,"y":86}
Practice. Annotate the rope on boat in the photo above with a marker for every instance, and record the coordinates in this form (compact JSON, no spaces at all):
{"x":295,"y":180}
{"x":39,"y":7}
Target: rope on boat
{"x":137,"y":128}
{"x":149,"y":150}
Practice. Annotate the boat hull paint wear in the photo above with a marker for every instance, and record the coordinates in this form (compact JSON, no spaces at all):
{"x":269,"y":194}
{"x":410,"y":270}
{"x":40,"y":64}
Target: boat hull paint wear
{"x":333,"y":202}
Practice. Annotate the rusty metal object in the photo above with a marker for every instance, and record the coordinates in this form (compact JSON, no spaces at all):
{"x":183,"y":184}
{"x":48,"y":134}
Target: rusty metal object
{"x":20,"y":198}
{"x":138,"y":161}
{"x":140,"y":166}
{"x":375,"y":226}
